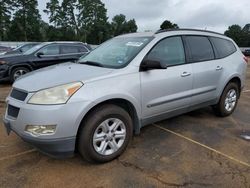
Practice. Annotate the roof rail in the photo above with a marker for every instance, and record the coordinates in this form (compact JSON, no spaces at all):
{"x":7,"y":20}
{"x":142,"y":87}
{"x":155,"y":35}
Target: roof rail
{"x":184,"y":29}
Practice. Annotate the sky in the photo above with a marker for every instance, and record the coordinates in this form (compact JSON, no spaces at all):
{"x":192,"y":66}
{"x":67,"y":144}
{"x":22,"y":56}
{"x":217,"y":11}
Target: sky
{"x":215,"y":15}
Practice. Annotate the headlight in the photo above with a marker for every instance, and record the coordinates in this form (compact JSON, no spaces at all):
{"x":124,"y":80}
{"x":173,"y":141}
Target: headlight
{"x":55,"y":95}
{"x":2,"y":62}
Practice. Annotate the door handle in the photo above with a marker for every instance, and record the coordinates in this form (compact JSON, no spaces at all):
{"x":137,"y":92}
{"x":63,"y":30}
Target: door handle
{"x":219,"y":68}
{"x":184,"y":74}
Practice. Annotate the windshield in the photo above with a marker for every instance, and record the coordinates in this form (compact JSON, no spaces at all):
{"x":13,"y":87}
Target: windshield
{"x":116,"y":53}
{"x":34,"y":49}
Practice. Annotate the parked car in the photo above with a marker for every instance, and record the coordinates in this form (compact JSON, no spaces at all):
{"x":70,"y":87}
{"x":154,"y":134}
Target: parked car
{"x":4,"y":49}
{"x":21,"y":49}
{"x":247,"y":52}
{"x":43,"y":55}
{"x":95,"y":105}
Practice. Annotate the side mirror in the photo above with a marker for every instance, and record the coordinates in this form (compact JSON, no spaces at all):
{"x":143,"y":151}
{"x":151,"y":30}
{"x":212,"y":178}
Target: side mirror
{"x":39,"y":54}
{"x":148,"y":64}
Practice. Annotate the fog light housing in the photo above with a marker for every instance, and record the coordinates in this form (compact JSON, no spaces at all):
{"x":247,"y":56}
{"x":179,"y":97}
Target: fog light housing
{"x":37,"y":130}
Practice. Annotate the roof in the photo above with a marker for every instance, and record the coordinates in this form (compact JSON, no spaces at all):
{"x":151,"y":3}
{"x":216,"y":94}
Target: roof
{"x":187,"y":29}
{"x":182,"y":31}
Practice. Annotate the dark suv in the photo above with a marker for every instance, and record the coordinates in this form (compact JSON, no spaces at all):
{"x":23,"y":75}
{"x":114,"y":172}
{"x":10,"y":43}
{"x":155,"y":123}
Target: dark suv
{"x":21,"y":49}
{"x":43,"y":55}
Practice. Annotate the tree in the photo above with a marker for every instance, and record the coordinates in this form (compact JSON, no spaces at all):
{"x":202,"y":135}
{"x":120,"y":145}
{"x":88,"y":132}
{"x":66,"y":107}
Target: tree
{"x":168,"y":25}
{"x":239,"y":35}
{"x":120,"y":25}
{"x":26,"y":23}
{"x":5,"y":15}
{"x":53,"y":9}
{"x":131,"y":26}
{"x":85,"y":20}
{"x":93,"y":21}
{"x":234,"y":32}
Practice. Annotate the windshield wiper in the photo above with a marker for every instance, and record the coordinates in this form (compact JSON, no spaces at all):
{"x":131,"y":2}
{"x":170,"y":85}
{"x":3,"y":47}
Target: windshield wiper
{"x":92,"y":63}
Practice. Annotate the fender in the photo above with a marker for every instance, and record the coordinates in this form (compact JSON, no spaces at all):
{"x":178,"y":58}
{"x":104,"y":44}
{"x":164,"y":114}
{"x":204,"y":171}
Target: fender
{"x":20,"y":65}
{"x":95,"y":103}
{"x":225,"y":84}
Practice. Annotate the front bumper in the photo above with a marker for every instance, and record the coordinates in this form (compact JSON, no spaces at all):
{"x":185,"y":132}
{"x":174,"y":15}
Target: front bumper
{"x":57,"y":148}
{"x":4,"y":76}
{"x":66,"y":117}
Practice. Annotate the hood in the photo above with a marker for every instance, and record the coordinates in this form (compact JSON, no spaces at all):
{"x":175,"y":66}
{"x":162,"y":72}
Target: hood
{"x":58,"y":75}
{"x":13,"y":58}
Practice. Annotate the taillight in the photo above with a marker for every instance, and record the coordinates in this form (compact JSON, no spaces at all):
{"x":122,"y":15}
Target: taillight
{"x":246,"y":59}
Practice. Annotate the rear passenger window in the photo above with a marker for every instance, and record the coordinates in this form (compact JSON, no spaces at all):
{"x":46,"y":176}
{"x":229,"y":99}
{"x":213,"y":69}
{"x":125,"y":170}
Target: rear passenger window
{"x":67,"y":49}
{"x":169,"y":51}
{"x":223,"y":47}
{"x":200,"y":48}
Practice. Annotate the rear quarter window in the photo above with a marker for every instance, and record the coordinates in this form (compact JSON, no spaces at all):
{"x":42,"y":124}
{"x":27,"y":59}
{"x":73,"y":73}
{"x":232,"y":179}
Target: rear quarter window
{"x":223,"y":47}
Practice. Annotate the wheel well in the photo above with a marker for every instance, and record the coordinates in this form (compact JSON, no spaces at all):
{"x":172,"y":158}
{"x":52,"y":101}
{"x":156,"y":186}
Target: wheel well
{"x":18,"y":66}
{"x":126,"y":105}
{"x":237,"y":81}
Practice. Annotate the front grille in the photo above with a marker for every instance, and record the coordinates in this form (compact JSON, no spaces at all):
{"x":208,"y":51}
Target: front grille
{"x":19,"y":95}
{"x":13,"y":111}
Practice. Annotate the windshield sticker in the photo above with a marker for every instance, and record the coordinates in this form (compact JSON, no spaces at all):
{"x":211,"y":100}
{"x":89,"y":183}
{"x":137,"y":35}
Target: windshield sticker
{"x":120,"y":62}
{"x":136,"y":44}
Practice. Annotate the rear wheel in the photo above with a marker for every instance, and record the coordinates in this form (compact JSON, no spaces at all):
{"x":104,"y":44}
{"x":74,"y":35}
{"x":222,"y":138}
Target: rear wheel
{"x":228,"y":100}
{"x":17,"y":72}
{"x":105,"y":134}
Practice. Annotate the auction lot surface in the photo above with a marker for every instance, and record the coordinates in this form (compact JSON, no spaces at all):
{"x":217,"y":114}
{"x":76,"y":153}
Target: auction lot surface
{"x":196,"y":149}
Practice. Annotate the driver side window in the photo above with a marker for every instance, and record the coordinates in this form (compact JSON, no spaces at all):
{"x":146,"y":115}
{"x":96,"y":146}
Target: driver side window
{"x":169,"y":51}
{"x":50,"y":50}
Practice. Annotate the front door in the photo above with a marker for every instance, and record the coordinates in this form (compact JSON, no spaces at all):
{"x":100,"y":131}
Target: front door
{"x":170,"y":89}
{"x":49,"y":55}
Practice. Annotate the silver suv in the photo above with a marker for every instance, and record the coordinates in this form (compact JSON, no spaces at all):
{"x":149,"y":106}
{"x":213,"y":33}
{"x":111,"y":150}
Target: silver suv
{"x":94,"y":106}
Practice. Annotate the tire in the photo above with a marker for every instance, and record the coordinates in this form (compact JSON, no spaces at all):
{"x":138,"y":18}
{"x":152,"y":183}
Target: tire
{"x":223,"y":108}
{"x":17,"y":72}
{"x":100,"y":122}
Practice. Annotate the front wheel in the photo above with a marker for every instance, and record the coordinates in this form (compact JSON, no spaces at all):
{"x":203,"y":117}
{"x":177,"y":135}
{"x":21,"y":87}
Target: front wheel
{"x":228,"y":100}
{"x":17,"y":72}
{"x":105,"y":134}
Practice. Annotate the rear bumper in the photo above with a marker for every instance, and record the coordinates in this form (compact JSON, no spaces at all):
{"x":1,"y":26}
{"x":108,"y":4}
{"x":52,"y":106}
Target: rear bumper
{"x":57,"y":148}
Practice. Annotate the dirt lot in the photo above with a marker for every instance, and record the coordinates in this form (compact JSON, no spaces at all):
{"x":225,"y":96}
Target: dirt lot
{"x":197,"y":149}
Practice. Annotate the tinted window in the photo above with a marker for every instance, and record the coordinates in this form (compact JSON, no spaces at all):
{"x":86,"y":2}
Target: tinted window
{"x":169,"y":51}
{"x":82,"y":49}
{"x":223,"y":47}
{"x":200,"y":48}
{"x":26,"y":47}
{"x":50,"y":50}
{"x":67,"y":49}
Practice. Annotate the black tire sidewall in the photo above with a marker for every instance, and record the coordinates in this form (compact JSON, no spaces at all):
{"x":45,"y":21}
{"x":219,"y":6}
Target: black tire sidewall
{"x":221,"y":107}
{"x":16,"y":69}
{"x":99,"y":115}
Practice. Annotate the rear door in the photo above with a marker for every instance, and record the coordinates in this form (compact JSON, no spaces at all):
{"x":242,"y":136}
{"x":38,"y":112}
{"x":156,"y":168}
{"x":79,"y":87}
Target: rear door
{"x":206,"y":70}
{"x":71,"y":52}
{"x":166,"y":90}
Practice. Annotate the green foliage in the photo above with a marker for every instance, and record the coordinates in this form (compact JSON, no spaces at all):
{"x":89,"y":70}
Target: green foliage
{"x":53,"y":9}
{"x":120,"y":25}
{"x":84,"y":20}
{"x":240,"y":36}
{"x":168,"y":25}
{"x":26,"y":22}
{"x":5,"y":15}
